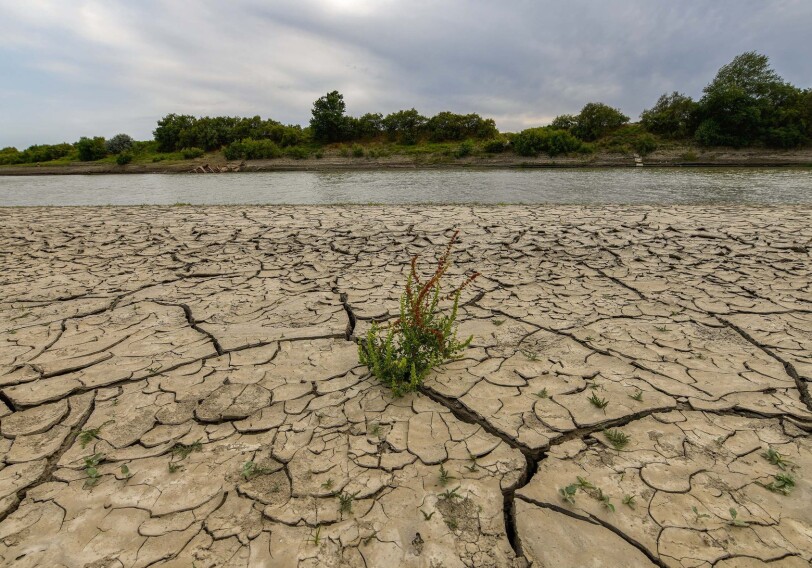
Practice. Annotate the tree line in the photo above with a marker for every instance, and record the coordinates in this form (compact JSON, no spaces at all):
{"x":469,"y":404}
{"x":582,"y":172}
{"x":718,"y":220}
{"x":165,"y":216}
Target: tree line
{"x":746,"y":104}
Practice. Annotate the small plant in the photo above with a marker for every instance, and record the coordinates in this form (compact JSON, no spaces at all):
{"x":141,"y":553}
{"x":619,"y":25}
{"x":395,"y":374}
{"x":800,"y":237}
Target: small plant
{"x":328,"y":485}
{"x":584,"y":484}
{"x":402,"y":354}
{"x":734,"y":519}
{"x":345,"y":501}
{"x":357,"y":151}
{"x":250,"y":470}
{"x":427,"y":517}
{"x":617,"y":438}
{"x":543,"y":393}
{"x":450,"y":494}
{"x":375,"y":430}
{"x":174,"y":467}
{"x":182,"y":451}
{"x":598,"y":402}
{"x":660,"y":328}
{"x":531,"y":355}
{"x":699,"y":516}
{"x":783,"y":484}
{"x":628,"y":500}
{"x":445,"y":476}
{"x":497,"y":323}
{"x":605,"y":500}
{"x":91,"y":469}
{"x":125,"y":471}
{"x":87,"y":436}
{"x":315,"y":536}
{"x":452,"y":523}
{"x":588,"y":338}
{"x":568,"y":493}
{"x":124,"y":158}
{"x":638,"y":395}
{"x":473,"y":466}
{"x":777,"y":459}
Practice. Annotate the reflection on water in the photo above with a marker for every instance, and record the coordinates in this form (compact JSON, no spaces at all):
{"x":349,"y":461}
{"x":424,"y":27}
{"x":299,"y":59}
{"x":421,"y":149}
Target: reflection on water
{"x":589,"y":186}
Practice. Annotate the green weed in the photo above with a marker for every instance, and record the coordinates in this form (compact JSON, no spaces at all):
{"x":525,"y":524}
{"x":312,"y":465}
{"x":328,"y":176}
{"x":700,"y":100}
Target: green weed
{"x":403,"y":353}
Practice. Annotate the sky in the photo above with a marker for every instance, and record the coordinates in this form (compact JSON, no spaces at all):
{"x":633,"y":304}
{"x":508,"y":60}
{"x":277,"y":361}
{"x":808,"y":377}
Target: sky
{"x":76,"y":68}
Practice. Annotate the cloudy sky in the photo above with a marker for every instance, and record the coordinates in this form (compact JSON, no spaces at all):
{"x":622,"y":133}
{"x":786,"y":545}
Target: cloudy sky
{"x":74,"y":68}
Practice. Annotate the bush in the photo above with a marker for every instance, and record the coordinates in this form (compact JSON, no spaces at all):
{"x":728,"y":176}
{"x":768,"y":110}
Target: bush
{"x":644,"y":144}
{"x":403,"y":353}
{"x":357,"y":151}
{"x":533,"y":141}
{"x":494,"y":146}
{"x":249,"y":149}
{"x":124,"y":158}
{"x":448,"y":126}
{"x":91,"y":149}
{"x":118,"y":144}
{"x":297,"y":152}
{"x":192,"y":153}
{"x":465,"y":149}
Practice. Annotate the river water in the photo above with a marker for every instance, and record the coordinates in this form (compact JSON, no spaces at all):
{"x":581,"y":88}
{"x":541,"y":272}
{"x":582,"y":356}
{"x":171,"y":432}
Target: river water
{"x":582,"y":186}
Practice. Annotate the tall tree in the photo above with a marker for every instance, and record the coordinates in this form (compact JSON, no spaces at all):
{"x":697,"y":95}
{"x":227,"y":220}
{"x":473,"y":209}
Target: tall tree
{"x":328,"y":122}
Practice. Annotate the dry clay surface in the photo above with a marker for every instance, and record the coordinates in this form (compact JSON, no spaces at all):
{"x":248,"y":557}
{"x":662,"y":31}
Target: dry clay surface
{"x":179,"y":386}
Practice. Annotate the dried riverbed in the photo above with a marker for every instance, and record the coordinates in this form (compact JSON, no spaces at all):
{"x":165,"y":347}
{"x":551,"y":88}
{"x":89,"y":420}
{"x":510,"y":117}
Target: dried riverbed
{"x":179,"y":386}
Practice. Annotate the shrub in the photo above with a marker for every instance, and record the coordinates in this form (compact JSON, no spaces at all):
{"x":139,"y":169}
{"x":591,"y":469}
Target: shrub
{"x":464,"y":149}
{"x":297,"y":152}
{"x":405,"y":126}
{"x":533,"y":141}
{"x":118,"y":144}
{"x":91,"y":149}
{"x":124,"y":158}
{"x":448,"y":126}
{"x":644,"y":144}
{"x":249,"y":149}
{"x":403,"y":353}
{"x":494,"y":146}
{"x":357,"y":151}
{"x":192,"y":153}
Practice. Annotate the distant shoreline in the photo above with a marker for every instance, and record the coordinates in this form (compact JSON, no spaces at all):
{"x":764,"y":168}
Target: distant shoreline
{"x":717,"y":157}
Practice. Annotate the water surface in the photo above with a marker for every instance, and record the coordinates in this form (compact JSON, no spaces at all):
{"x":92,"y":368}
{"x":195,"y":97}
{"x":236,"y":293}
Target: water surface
{"x":575,"y":186}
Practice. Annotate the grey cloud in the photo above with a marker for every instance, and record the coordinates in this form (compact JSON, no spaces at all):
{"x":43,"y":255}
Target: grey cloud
{"x":94,"y":67}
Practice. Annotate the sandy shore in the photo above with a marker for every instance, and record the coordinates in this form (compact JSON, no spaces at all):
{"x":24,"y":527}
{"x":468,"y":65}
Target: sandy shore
{"x":180,"y":386}
{"x":681,"y":157}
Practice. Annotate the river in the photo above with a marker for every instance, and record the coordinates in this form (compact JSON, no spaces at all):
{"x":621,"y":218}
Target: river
{"x":756,"y":186}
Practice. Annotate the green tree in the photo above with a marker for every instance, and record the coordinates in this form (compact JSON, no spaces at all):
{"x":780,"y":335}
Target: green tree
{"x":748,"y":103}
{"x":405,"y":126}
{"x":91,"y":149}
{"x":564,"y":122}
{"x":596,"y":120}
{"x":170,"y":130}
{"x":328,"y":122}
{"x":119,"y":143}
{"x":673,"y":116}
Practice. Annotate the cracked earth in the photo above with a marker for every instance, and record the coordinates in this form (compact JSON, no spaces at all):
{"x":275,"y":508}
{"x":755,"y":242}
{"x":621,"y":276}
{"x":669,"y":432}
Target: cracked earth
{"x":180,"y":387}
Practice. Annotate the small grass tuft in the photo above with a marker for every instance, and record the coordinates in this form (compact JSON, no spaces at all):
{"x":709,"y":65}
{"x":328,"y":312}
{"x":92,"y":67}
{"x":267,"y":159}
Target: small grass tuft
{"x":638,"y":395}
{"x":617,"y":438}
{"x":598,"y":402}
